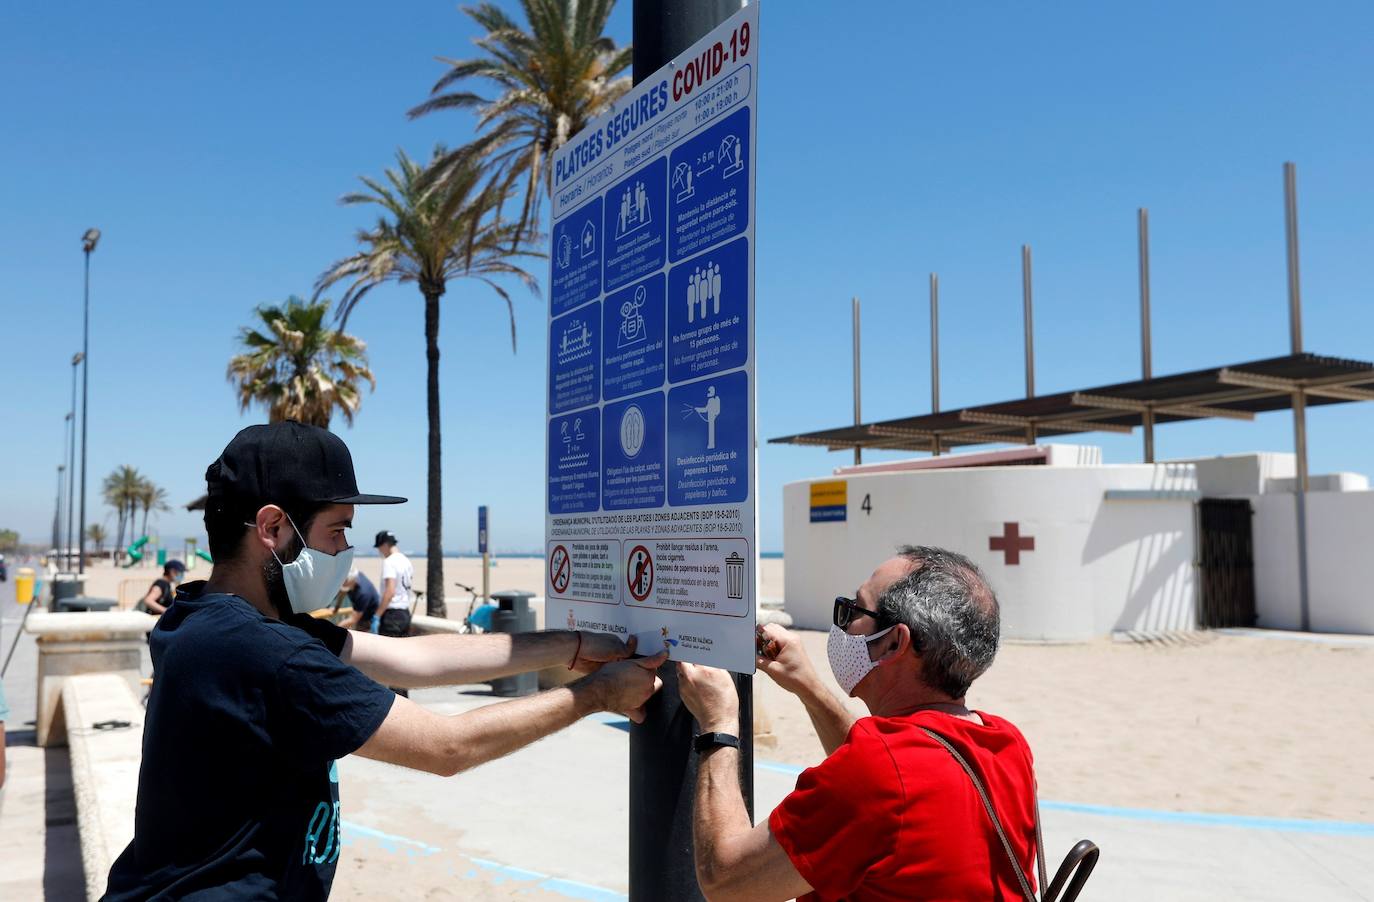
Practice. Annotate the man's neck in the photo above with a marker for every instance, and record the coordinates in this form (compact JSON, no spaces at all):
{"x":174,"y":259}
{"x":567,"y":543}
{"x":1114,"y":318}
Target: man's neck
{"x":898,"y":700}
{"x":244,"y":582}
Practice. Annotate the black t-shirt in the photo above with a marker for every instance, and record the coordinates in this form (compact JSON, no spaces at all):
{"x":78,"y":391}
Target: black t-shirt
{"x":238,"y":793}
{"x":364,"y":598}
{"x":164,"y":590}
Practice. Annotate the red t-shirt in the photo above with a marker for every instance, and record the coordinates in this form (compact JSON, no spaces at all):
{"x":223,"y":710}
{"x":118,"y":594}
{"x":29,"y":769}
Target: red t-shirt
{"x":892,"y":816}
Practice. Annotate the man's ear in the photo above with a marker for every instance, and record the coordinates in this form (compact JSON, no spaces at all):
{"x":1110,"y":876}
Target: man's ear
{"x":273,"y":529}
{"x":895,"y":643}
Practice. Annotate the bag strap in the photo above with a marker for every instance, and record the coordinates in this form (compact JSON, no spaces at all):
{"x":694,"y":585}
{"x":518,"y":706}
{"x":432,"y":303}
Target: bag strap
{"x":997,"y":822}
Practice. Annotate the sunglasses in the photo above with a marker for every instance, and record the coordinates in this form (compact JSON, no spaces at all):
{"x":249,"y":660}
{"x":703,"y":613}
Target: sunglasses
{"x":846,"y":609}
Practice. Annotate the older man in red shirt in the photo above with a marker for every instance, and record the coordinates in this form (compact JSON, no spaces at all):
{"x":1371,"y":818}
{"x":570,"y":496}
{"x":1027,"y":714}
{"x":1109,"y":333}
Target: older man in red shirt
{"x":890,"y":814}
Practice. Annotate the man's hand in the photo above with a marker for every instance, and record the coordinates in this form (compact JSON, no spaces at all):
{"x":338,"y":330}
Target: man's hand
{"x":709,"y":693}
{"x":784,"y":659}
{"x":623,"y":686}
{"x":601,"y":648}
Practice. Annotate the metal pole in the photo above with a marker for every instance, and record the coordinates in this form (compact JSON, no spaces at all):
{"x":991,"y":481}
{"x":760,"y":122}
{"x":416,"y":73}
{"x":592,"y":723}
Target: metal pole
{"x":85,"y":380}
{"x":1026,"y":310}
{"x":57,"y":516}
{"x":1290,"y":198}
{"x":71,"y":462}
{"x":1030,"y":332}
{"x":858,"y":406}
{"x":1146,"y":365}
{"x":935,"y":353}
{"x":662,"y":763}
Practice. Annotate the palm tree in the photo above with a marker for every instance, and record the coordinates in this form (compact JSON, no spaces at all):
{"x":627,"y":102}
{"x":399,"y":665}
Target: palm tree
{"x":120,"y":490}
{"x":150,"y":497}
{"x":297,"y":367}
{"x":96,"y":533}
{"x":552,"y":79}
{"x":428,"y":234}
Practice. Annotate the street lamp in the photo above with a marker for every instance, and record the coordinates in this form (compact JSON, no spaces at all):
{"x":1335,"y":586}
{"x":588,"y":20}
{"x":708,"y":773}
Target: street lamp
{"x":71,"y":458}
{"x":57,"y":517}
{"x":88,"y":243}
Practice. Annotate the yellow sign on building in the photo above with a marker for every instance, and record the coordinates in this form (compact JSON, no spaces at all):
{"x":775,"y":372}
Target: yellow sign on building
{"x":829,"y":501}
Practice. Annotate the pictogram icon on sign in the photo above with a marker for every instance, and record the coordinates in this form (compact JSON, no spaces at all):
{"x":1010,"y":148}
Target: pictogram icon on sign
{"x":560,"y":569}
{"x":639,"y":572}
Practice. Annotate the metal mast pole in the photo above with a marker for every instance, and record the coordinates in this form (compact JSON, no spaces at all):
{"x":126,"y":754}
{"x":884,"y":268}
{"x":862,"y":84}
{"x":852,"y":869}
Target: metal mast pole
{"x":858,"y":406}
{"x":663,"y":766}
{"x":1290,"y":198}
{"x":85,"y":381}
{"x":57,"y":515}
{"x":1030,"y":332}
{"x":1146,"y":367}
{"x":935,"y":354}
{"x":71,"y":461}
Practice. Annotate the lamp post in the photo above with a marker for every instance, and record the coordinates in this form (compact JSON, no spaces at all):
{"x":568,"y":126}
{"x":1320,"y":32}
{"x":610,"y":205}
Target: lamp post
{"x":88,"y":243}
{"x":71,"y":457}
{"x":57,"y":516}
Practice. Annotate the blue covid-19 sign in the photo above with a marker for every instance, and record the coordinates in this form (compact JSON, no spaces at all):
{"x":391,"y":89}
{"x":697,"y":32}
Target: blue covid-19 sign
{"x":650,"y":528}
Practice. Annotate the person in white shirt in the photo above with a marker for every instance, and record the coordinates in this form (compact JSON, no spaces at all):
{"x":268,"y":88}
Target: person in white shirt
{"x":398,"y":576}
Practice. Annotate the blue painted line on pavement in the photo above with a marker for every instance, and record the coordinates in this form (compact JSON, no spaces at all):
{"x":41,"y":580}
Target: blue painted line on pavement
{"x":389,"y":841}
{"x":571,"y":889}
{"x":1199,"y":818}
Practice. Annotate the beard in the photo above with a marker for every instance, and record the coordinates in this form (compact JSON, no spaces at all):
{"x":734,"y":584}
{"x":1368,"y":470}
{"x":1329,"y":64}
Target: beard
{"x":276,"y":584}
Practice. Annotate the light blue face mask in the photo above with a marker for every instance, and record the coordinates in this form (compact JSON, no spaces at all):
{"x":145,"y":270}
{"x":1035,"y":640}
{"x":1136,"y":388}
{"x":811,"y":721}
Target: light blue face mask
{"x":314,"y":577}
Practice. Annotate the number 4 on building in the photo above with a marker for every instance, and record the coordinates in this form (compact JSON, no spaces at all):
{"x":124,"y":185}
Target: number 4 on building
{"x":867,"y":506}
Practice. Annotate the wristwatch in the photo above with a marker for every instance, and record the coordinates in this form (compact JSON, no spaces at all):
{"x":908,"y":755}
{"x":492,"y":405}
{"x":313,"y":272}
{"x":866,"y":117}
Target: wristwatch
{"x":704,"y":742}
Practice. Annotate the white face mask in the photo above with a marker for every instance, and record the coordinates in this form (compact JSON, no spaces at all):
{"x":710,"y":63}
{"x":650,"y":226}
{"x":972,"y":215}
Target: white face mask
{"x":849,"y":656}
{"x":314,"y":577}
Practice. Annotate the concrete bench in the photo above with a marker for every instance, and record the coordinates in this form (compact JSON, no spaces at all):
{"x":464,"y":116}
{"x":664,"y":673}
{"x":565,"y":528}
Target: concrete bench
{"x":105,"y":761}
{"x":82,"y":642}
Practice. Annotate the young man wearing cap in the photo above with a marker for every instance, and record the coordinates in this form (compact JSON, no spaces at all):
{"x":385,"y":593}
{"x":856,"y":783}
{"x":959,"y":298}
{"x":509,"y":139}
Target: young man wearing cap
{"x":255,"y":700}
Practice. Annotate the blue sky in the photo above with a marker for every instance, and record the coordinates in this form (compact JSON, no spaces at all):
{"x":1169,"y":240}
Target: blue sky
{"x":210,"y":143}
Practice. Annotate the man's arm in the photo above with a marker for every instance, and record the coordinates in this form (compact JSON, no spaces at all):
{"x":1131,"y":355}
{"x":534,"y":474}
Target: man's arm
{"x":414,"y":662}
{"x":388,"y":592}
{"x":415,"y":737}
{"x":785,"y":660}
{"x":150,"y":601}
{"x":735,"y":860}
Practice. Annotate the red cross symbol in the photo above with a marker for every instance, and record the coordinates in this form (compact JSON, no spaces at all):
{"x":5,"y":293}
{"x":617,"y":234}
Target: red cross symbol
{"x":1011,"y":543}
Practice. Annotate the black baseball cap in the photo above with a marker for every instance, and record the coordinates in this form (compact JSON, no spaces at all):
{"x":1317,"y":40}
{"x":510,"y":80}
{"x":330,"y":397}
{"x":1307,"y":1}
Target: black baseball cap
{"x":385,"y":537}
{"x":288,"y":464}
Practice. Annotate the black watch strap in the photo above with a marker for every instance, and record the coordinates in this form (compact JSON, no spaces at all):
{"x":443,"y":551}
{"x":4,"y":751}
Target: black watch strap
{"x":707,"y":741}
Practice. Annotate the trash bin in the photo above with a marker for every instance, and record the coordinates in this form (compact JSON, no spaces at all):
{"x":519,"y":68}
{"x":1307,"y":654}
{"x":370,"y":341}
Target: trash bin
{"x":513,"y":615}
{"x":66,"y":586}
{"x":23,"y":585}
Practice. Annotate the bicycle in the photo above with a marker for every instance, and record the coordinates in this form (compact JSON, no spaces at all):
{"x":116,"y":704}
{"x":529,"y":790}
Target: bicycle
{"x":478,"y":617}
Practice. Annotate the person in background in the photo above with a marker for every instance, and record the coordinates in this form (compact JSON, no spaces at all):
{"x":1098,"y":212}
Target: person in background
{"x":163,"y":590}
{"x":363,"y":598}
{"x":398,"y":576}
